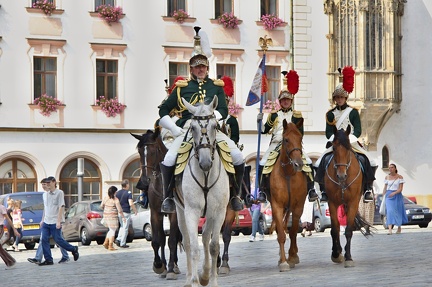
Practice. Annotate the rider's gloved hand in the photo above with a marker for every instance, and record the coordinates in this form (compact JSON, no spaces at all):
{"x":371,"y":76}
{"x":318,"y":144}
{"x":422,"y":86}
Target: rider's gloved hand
{"x":167,"y":122}
{"x":260,"y":117}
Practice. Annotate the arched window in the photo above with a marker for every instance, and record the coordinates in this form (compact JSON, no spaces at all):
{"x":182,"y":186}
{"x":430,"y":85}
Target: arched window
{"x":133,"y":172}
{"x":385,"y":157}
{"x":91,"y":181}
{"x":17,"y":175}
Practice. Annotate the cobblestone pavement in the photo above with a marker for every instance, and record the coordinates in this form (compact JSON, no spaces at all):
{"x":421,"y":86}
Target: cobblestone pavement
{"x":382,"y":260}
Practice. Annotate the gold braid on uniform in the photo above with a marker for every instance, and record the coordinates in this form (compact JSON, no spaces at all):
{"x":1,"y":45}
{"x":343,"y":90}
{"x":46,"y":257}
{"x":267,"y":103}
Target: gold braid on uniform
{"x":272,"y":124}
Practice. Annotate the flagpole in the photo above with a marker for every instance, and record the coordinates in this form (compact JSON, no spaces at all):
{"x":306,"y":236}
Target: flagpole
{"x":264,"y":43}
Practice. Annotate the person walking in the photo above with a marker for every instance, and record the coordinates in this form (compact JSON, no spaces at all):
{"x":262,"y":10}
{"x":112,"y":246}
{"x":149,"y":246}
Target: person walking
{"x":255,"y":210}
{"x":124,"y":196}
{"x":307,"y":218}
{"x":112,"y":211}
{"x":5,"y":256}
{"x":53,"y":217}
{"x":39,"y":252}
{"x":394,"y":202}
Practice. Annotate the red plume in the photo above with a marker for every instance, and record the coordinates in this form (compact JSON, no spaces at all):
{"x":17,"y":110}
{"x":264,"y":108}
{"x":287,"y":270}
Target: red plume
{"x":348,"y":79}
{"x":292,"y":82}
{"x":228,"y":87}
{"x":173,"y":85}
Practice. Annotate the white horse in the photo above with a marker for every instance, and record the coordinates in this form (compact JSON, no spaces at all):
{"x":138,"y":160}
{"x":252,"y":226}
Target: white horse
{"x":204,"y":190}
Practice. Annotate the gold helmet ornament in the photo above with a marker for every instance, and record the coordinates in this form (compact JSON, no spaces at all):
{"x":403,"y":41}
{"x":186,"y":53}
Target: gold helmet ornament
{"x":292,"y":81}
{"x":201,"y":51}
{"x":346,"y":82}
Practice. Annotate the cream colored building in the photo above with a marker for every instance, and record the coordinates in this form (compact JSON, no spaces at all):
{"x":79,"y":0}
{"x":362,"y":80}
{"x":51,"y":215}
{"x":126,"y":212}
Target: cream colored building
{"x":75,"y":56}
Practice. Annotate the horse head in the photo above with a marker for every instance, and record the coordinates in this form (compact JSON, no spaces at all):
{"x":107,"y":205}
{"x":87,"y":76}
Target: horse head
{"x":291,"y":152}
{"x":151,"y":150}
{"x":203,"y":128}
{"x":342,"y":152}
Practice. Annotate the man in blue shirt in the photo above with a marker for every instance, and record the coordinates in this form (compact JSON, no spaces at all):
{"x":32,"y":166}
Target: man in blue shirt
{"x":124,"y":195}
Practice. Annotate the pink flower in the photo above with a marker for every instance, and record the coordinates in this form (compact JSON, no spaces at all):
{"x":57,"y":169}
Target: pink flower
{"x":233,"y":108}
{"x":180,"y":15}
{"x":228,"y":20}
{"x":47,"y":104}
{"x":111,"y":107}
{"x":46,"y":6}
{"x":271,"y":107}
{"x":109,"y":13}
{"x":271,"y":21}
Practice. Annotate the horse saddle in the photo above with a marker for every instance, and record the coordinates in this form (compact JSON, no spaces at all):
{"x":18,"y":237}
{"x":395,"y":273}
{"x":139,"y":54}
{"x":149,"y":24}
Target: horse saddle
{"x":186,"y":147}
{"x":273,"y":156}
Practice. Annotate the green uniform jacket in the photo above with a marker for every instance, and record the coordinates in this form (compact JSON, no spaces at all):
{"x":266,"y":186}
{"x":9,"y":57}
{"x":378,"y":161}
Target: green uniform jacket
{"x":234,"y":127}
{"x":194,"y":92}
{"x":271,"y":120}
{"x":354,"y":118}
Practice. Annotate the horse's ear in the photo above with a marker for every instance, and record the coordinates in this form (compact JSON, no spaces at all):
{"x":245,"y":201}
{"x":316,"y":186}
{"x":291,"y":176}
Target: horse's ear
{"x":138,"y":137}
{"x":214,"y":103}
{"x":348,"y":130}
{"x":284,"y":124}
{"x":192,"y":109}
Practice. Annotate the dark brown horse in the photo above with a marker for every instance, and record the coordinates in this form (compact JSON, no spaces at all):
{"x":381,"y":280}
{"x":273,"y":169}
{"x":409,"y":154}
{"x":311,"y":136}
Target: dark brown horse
{"x":343,"y":184}
{"x":288,"y":191}
{"x":152,"y":151}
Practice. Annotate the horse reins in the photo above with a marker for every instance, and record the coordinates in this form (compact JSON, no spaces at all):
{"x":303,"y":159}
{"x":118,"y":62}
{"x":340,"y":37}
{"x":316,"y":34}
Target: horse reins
{"x":347,"y":165}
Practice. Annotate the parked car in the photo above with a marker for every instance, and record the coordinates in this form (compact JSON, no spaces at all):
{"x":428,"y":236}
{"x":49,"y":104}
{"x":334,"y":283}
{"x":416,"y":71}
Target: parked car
{"x":266,"y":219}
{"x":83,"y":223}
{"x":244,"y":224}
{"x":32,"y":210}
{"x":142,"y":225}
{"x":321,"y":216}
{"x":417,"y":214}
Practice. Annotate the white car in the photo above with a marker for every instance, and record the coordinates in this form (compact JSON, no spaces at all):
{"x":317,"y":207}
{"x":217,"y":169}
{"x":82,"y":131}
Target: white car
{"x":141,"y":223}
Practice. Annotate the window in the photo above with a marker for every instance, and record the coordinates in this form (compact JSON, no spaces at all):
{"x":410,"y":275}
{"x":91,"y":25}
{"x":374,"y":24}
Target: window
{"x":174,"y":5}
{"x":223,"y":6}
{"x":133,"y":173}
{"x":106,"y":78}
{"x":269,"y":7}
{"x":104,"y":2}
{"x":176,"y":70}
{"x":45,"y":76}
{"x":17,"y":175}
{"x":91,"y":182}
{"x":227,"y":70}
{"x":347,"y":31}
{"x":385,"y":157}
{"x":375,"y":36}
{"x":274,"y":82}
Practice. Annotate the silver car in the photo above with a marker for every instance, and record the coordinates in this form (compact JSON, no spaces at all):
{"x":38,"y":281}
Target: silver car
{"x":321,"y":216}
{"x":141,"y":223}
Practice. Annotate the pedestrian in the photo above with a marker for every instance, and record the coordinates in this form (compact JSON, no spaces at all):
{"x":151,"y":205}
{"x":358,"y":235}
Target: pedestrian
{"x":112,"y":212}
{"x":199,"y":88}
{"x":307,"y":218}
{"x":124,"y":196}
{"x":17,"y":222}
{"x":367,"y":211}
{"x":52,"y":220}
{"x":394,"y":201}
{"x":39,"y":252}
{"x":7,"y":258}
{"x":255,"y":211}
{"x":9,"y":233}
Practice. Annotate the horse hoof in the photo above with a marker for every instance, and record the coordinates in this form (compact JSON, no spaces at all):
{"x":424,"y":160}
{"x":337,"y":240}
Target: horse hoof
{"x":204,"y":282}
{"x":293,"y":261}
{"x":349,"y":263}
{"x":340,"y":259}
{"x":284,"y":266}
{"x":224,"y":271}
{"x":176,"y":269}
{"x":171,"y":276}
{"x":159,"y":270}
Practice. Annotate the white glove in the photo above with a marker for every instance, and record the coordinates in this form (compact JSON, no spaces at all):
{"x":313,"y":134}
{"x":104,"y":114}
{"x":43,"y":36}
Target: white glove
{"x":166,"y":122}
{"x":217,"y":115}
{"x":260,"y":117}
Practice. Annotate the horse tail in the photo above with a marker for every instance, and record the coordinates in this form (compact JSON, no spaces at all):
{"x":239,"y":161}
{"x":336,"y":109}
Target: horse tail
{"x":363,"y":226}
{"x":285,"y":219}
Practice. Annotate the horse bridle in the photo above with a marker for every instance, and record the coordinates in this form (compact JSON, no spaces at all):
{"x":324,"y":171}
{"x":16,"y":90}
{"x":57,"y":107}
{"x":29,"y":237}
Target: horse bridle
{"x":154,"y":168}
{"x":204,"y":135}
{"x":347,"y":165}
{"x":288,"y":153}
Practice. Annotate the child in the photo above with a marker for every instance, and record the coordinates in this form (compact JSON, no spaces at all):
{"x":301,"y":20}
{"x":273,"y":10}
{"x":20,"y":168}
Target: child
{"x":17,"y":222}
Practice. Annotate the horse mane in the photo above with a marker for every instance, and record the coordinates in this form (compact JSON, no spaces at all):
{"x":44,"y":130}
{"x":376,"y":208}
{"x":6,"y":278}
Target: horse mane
{"x":341,"y":137}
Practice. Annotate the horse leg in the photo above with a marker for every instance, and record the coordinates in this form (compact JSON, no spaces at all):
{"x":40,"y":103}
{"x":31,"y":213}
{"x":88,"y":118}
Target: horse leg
{"x":281,"y":237}
{"x":158,"y":242}
{"x":336,"y":255}
{"x":204,"y":277}
{"x":226,"y":236}
{"x":190,"y":233}
{"x":348,"y":235}
{"x":172,"y":245}
{"x":293,"y":258}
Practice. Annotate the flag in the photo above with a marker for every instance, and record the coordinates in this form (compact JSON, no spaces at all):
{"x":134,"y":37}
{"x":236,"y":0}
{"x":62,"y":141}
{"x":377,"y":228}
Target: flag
{"x":259,"y":85}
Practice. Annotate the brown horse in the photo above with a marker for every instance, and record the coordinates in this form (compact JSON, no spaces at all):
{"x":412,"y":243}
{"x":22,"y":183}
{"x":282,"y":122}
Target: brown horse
{"x":152,"y":151}
{"x":343,"y":184}
{"x":288,"y":191}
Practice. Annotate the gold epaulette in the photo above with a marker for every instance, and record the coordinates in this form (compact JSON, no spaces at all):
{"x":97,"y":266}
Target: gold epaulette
{"x":297,"y":114}
{"x":219,"y":83}
{"x":182,"y":83}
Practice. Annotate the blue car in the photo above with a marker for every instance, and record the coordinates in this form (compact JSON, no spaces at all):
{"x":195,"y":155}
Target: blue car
{"x":32,"y":210}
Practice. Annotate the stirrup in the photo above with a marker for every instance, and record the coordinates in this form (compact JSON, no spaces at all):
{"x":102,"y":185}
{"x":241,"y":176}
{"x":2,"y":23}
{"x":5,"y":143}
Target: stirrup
{"x":249,"y":199}
{"x":367,"y":196}
{"x":262,"y":197}
{"x":168,"y":205}
{"x":312,"y":195}
{"x":236,"y":203}
{"x":324,"y":197}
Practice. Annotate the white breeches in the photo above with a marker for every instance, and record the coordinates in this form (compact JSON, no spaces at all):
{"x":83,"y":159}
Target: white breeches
{"x":173,"y":146}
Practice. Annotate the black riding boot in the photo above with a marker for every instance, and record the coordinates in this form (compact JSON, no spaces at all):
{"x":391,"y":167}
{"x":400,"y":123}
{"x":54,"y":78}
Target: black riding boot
{"x":262,"y":197}
{"x":235,"y":201}
{"x":311,"y":191}
{"x":324,"y":197}
{"x":168,"y":205}
{"x":368,"y":191}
